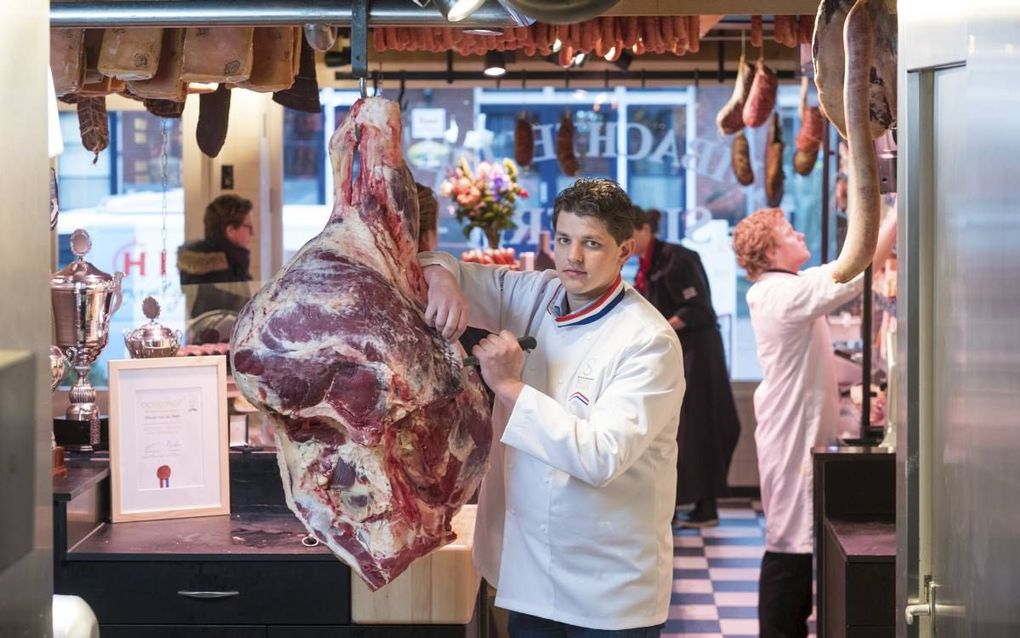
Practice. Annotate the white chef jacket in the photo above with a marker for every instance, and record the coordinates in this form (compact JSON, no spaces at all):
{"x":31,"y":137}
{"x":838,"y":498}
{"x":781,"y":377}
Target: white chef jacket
{"x":797,"y":403}
{"x":574,"y":514}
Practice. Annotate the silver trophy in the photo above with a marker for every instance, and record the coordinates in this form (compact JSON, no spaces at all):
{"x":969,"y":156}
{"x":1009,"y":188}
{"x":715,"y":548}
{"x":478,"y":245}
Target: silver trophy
{"x":153,"y":339}
{"x":84,"y":298}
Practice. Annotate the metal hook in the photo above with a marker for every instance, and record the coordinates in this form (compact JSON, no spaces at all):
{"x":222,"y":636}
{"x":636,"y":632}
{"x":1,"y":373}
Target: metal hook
{"x":309,"y":541}
{"x":524,"y":79}
{"x":566,"y":78}
{"x":605,"y":79}
{"x":642,"y":78}
{"x":363,"y":87}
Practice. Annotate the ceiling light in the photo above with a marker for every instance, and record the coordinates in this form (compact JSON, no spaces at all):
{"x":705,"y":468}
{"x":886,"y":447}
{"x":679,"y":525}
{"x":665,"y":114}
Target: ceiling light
{"x":457,"y":10}
{"x":495,"y":64}
{"x":557,"y":45}
{"x":579,"y":59}
{"x":611,"y":53}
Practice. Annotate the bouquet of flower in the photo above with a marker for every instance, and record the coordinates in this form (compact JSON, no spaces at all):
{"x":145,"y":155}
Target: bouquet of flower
{"x":484,"y":198}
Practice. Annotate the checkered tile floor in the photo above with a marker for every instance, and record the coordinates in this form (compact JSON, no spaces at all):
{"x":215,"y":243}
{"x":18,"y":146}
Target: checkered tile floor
{"x":715,"y":575}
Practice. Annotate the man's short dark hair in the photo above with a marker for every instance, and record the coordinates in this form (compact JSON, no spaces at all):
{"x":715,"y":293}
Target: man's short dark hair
{"x":600,"y":198}
{"x":224,"y":211}
{"x":652,"y":217}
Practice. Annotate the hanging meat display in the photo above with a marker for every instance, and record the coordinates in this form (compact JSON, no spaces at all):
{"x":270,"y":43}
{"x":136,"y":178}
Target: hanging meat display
{"x":93,"y":124}
{"x":565,"y":155}
{"x":730,"y":118}
{"x":809,"y":137}
{"x":774,"y":176}
{"x":857,"y":93}
{"x":382,"y":433}
{"x":524,"y":141}
{"x":213,"y":119}
{"x":761,"y":98}
{"x":740,"y":159}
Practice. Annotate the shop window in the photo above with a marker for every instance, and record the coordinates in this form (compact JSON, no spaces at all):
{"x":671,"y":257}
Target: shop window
{"x":661,"y":145}
{"x":307,"y":173}
{"x":119,"y":200}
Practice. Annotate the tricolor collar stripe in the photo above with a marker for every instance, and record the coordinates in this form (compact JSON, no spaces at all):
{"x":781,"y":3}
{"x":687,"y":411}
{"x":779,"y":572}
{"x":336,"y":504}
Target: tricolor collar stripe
{"x":598,"y":308}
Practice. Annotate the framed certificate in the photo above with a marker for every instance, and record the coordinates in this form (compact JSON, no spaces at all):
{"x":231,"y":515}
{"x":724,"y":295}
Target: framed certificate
{"x":168,"y":438}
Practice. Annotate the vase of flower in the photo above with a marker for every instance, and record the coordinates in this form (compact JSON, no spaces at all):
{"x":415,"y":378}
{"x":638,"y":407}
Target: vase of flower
{"x":484,"y":197}
{"x":492,"y":236}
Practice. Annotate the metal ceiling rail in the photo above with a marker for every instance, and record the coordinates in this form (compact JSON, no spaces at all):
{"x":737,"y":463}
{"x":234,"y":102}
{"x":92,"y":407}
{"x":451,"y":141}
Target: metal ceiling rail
{"x":205,"y":13}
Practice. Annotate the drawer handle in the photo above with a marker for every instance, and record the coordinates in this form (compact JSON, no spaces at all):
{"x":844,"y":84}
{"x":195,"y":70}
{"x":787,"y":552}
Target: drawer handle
{"x":205,"y":595}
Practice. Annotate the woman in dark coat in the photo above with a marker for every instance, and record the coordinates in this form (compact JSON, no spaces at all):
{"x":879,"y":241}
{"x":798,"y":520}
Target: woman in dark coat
{"x":673,"y":279}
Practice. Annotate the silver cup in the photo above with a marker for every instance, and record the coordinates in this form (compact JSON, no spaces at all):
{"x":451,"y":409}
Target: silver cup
{"x":84,"y":298}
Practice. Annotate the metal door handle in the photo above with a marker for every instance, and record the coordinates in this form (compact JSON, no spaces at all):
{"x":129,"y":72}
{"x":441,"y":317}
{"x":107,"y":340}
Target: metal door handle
{"x":916,"y":609}
{"x":208,"y":594}
{"x":913,"y":610}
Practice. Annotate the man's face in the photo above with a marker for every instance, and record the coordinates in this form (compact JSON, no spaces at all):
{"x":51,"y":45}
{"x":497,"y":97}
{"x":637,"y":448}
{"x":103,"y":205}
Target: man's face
{"x":642,"y":238}
{"x":790,"y":252}
{"x":587,"y":257}
{"x":242,"y":234}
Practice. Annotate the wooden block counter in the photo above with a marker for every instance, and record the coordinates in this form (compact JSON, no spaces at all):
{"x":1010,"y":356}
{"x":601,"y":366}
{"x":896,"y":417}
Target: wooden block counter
{"x":441,"y":588}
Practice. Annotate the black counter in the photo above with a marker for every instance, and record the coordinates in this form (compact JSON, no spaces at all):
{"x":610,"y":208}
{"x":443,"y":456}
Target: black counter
{"x":855,"y":541}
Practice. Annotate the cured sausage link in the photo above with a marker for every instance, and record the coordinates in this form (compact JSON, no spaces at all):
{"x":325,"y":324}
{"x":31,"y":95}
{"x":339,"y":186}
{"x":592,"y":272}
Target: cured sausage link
{"x":865,"y":200}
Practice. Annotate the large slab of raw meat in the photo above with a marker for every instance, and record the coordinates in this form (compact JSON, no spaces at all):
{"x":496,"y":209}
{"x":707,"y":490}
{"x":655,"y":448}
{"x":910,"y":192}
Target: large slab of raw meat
{"x":382,"y":434}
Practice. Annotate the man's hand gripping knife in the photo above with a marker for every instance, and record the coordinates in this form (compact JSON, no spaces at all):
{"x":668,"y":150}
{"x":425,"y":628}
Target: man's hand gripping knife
{"x":500,"y":357}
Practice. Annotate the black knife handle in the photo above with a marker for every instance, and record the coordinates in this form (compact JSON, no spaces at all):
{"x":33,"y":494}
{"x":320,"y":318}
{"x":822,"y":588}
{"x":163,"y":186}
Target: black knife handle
{"x":526,"y":343}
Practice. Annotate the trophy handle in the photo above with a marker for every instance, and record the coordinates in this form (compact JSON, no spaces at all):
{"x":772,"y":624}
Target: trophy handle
{"x":117,"y":295}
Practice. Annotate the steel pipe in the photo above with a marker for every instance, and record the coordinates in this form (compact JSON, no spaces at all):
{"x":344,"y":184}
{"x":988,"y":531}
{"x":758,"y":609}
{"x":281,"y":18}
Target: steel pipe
{"x":204,"y":13}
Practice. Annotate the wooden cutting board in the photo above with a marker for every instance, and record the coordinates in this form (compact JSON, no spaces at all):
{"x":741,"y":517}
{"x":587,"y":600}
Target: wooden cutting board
{"x":440,"y":588}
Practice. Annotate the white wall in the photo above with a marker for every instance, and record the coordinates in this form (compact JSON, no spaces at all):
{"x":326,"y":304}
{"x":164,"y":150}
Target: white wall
{"x":26,"y":585}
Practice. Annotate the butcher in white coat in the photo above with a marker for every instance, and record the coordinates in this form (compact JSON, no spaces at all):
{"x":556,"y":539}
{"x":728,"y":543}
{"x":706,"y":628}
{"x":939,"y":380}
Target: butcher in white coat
{"x":796,"y":404}
{"x":574,"y":514}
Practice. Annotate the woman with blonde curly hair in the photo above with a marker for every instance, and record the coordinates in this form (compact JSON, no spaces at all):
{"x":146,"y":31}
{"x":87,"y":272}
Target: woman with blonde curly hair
{"x":796,"y":404}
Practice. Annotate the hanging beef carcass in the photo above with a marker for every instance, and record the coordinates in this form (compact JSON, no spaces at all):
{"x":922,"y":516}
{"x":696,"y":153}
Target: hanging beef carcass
{"x":382,"y":434}
{"x":854,"y":51}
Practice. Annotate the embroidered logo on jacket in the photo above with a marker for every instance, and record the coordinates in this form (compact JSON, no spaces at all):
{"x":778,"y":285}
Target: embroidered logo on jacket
{"x":577,"y":396}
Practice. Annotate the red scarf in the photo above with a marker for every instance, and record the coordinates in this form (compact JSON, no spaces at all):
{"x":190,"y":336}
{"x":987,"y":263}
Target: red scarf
{"x":644,"y":266}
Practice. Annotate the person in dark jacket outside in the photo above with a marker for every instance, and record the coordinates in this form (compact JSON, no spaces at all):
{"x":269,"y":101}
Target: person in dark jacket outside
{"x":673,"y":279}
{"x":214,"y":271}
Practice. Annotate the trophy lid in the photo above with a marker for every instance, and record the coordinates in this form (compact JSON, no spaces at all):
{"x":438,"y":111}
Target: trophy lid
{"x":152,"y":339}
{"x":79,"y":271}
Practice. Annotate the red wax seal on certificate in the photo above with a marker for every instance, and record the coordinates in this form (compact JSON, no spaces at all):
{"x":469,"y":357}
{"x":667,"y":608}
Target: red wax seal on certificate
{"x":163,"y":474}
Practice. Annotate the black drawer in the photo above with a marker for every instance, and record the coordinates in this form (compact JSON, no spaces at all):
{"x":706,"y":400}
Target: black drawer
{"x":871,"y":594}
{"x":181,"y":631}
{"x":268,"y":592}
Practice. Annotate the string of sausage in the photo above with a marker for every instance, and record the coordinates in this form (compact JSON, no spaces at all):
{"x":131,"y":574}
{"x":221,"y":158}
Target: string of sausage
{"x":601,"y":36}
{"x":864,"y":197}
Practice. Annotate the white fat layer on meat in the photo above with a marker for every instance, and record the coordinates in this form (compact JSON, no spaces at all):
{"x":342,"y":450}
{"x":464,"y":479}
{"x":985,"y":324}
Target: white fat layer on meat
{"x":376,"y":536}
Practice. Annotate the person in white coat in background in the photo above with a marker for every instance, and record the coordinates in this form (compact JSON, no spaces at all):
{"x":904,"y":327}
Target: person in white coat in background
{"x":573,"y":524}
{"x":796,"y":404}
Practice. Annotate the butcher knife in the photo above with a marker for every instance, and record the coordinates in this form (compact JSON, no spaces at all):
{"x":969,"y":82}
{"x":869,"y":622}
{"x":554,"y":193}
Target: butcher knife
{"x":526,"y":343}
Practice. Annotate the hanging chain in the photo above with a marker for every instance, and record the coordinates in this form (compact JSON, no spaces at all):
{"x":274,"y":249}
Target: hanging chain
{"x":163,"y":210}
